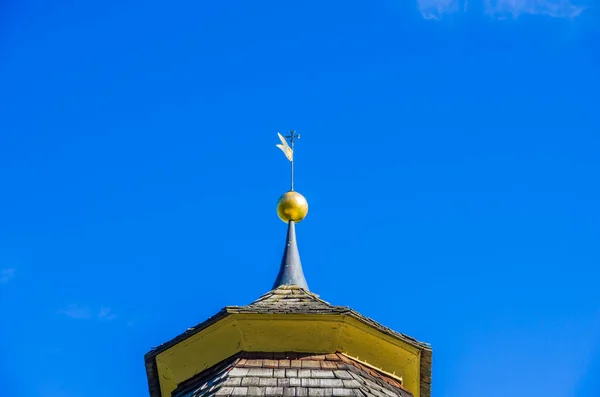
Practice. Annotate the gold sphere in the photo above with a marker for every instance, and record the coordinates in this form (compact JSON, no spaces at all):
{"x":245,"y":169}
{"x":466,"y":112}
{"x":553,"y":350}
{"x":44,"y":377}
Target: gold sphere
{"x":292,"y":206}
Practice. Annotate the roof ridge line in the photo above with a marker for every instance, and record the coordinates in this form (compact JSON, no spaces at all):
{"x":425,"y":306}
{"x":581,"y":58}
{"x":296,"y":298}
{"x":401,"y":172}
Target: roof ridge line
{"x":374,"y":368}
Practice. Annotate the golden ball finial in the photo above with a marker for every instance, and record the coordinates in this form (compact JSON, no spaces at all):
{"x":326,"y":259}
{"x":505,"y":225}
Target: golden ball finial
{"x":292,"y":206}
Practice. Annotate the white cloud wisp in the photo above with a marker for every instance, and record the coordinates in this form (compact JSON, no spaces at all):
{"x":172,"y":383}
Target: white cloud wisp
{"x":503,"y":9}
{"x":79,"y":312}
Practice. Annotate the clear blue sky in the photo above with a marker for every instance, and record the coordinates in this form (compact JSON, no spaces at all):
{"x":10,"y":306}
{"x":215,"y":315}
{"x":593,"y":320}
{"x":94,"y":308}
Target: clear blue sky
{"x":450,"y":154}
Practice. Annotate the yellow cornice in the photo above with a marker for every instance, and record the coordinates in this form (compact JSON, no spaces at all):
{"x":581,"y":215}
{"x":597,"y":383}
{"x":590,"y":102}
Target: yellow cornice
{"x":308,"y":333}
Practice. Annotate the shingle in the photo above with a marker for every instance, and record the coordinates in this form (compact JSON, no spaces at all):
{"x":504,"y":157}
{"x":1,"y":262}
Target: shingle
{"x":371,"y":385}
{"x":309,"y":382}
{"x":254,"y":363}
{"x":340,"y":392}
{"x":232,"y":382}
{"x":224,"y":391}
{"x":301,"y":392}
{"x":342,"y":374}
{"x":295,"y":382}
{"x":262,"y":372}
{"x":256,"y":391}
{"x":283,"y":382}
{"x":311,"y":364}
{"x":250,"y":382}
{"x":296,"y":364}
{"x":393,"y":382}
{"x":368,"y":384}
{"x":388,"y":392}
{"x":345,"y":359}
{"x":238,"y":372}
{"x":377,"y":393}
{"x":284,"y":363}
{"x":316,"y":392}
{"x":267,"y":382}
{"x":240,"y":391}
{"x":304,"y":373}
{"x":353,"y":384}
{"x":289,"y":391}
{"x":331,"y":383}
{"x":291,"y":373}
{"x":328,"y":365}
{"x":279,"y":373}
{"x":318,"y":373}
{"x":270,"y":363}
{"x":274,"y":391}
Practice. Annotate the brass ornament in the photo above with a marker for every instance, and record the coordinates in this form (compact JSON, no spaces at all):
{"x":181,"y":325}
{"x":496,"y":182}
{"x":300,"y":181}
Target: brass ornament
{"x":292,"y":206}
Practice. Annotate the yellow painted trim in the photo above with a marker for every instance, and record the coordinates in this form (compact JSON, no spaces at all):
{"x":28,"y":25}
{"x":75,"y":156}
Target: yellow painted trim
{"x":319,"y":333}
{"x":198,"y":352}
{"x":374,"y":331}
{"x":382,"y":351}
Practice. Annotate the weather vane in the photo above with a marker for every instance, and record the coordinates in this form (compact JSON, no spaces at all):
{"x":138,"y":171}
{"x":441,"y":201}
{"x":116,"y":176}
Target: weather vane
{"x":292,"y":205}
{"x":288,"y":150}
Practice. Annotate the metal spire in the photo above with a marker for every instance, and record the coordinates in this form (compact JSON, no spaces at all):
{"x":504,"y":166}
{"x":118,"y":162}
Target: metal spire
{"x":290,"y":271}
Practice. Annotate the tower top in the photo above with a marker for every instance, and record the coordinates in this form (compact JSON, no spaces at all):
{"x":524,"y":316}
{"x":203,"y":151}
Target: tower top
{"x":273,"y":338}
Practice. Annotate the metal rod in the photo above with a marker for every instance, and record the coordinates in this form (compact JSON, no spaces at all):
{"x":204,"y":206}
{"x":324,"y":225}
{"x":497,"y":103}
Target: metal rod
{"x":292,"y":138}
{"x":292,"y":164}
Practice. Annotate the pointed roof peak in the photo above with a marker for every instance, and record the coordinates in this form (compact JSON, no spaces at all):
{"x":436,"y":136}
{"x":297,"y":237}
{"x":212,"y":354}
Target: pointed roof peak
{"x":290,"y":270}
{"x":289,"y":294}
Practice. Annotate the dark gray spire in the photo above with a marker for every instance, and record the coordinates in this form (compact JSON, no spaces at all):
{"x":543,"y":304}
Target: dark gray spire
{"x":290,"y":272}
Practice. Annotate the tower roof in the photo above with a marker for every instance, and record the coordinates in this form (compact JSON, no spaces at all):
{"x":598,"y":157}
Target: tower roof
{"x":296,"y":321}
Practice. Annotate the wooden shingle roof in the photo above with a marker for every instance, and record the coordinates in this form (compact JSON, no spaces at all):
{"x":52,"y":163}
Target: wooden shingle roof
{"x":291,"y":374}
